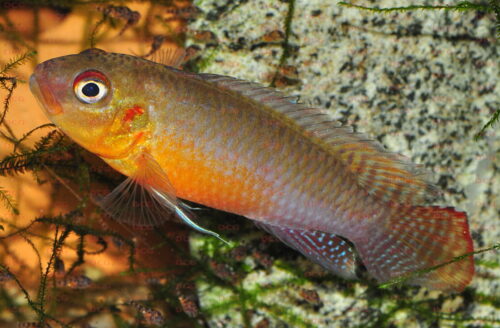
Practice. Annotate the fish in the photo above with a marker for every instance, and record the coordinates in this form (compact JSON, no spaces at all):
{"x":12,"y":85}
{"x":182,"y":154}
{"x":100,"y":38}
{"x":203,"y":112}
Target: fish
{"x":335,"y":195}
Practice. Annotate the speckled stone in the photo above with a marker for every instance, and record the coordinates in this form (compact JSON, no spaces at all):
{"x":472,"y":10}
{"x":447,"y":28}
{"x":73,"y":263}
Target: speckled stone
{"x":423,"y":83}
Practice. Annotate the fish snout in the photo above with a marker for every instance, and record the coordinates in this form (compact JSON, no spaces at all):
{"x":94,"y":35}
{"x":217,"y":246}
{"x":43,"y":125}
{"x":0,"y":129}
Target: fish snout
{"x":41,"y":86}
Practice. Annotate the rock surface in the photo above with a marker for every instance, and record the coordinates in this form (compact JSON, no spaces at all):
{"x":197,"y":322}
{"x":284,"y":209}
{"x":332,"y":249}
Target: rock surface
{"x":421,"y":82}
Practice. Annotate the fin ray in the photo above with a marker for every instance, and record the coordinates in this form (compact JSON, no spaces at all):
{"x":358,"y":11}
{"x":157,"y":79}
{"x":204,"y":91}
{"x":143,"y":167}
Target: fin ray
{"x":148,"y":199}
{"x":170,"y":56}
{"x":326,"y":249}
{"x":417,"y":238}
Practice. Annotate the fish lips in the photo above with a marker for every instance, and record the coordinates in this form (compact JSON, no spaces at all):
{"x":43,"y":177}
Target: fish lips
{"x":43,"y":92}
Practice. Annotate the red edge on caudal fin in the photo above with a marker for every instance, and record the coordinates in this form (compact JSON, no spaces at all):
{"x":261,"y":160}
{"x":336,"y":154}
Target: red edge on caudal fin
{"x":414,"y":238}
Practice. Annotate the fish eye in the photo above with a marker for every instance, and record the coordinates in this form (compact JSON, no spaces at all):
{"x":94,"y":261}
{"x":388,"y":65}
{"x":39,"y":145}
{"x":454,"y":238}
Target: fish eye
{"x":90,"y":87}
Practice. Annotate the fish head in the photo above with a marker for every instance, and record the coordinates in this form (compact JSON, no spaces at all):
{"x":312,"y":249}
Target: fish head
{"x":97,"y":99}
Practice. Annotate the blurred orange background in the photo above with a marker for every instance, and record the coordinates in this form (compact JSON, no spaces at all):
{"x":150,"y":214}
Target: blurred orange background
{"x":59,"y":33}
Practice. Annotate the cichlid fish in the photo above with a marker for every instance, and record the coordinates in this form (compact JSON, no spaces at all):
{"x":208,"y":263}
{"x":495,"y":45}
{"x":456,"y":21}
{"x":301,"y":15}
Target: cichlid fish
{"x":243,"y":148}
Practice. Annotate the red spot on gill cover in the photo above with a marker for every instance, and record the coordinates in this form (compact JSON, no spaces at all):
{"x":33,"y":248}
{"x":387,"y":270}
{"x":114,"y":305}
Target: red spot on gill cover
{"x":131,"y":113}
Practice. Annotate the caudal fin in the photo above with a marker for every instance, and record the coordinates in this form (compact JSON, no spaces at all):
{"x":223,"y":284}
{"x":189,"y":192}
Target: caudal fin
{"x":419,"y":237}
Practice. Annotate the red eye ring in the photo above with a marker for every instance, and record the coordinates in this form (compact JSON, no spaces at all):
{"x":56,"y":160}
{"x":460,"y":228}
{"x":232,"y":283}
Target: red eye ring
{"x":91,"y":87}
{"x":90,"y":75}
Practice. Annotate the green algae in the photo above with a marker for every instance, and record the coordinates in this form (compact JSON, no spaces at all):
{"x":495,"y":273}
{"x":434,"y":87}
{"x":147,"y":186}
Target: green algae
{"x":233,"y":284}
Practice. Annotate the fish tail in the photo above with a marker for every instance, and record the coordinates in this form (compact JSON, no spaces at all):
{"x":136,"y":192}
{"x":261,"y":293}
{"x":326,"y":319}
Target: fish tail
{"x":414,"y":238}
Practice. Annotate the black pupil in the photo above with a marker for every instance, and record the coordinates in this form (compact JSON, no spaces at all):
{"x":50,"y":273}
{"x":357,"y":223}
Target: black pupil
{"x":90,"y":89}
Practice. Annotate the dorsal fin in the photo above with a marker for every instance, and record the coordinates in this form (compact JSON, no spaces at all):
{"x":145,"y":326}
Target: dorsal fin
{"x":385,"y":175}
{"x":171,"y":56}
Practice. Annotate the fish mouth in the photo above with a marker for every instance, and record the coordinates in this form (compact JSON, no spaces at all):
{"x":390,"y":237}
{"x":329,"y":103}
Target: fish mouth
{"x":44,"y":95}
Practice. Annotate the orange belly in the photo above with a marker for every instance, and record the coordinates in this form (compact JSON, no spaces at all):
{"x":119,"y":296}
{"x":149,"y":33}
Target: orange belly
{"x":212,"y":182}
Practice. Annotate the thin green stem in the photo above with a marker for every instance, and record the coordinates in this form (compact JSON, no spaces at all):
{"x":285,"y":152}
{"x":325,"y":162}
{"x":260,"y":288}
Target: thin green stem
{"x":417,"y":273}
{"x":461,"y":6}
{"x":286,"y":42}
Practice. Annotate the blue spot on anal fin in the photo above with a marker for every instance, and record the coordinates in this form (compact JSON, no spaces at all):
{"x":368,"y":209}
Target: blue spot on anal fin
{"x":326,"y":249}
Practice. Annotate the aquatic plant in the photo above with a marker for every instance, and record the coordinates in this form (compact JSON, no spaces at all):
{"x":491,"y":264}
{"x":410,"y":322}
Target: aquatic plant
{"x":255,"y":279}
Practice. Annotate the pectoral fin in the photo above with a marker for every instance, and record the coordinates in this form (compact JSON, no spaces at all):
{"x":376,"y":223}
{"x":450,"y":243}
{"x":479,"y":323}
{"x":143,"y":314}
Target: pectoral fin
{"x":147,"y":199}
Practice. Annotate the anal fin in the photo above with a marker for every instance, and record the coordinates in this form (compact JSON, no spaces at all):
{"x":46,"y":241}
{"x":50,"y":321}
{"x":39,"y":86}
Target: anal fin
{"x":327,"y":249}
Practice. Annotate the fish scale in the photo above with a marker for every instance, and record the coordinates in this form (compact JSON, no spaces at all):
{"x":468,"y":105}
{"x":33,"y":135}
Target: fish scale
{"x":243,"y":148}
{"x":289,"y":175}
